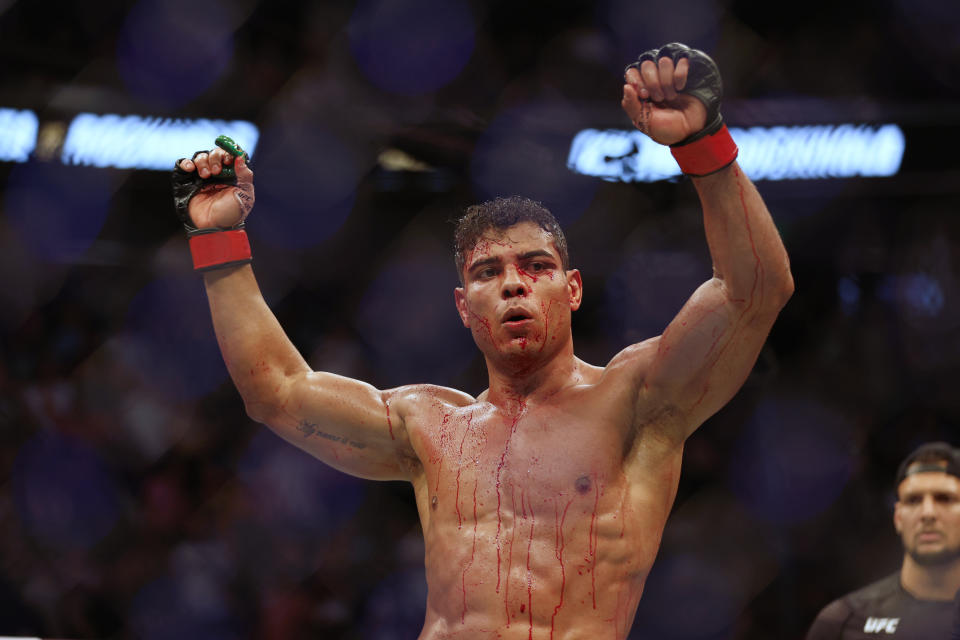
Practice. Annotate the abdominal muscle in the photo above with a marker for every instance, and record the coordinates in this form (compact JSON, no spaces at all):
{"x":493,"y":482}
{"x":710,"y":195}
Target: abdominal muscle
{"x":519,"y":560}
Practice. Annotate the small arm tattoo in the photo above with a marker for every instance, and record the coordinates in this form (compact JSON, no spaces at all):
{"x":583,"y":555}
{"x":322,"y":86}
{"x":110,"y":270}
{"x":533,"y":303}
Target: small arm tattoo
{"x":309,"y":429}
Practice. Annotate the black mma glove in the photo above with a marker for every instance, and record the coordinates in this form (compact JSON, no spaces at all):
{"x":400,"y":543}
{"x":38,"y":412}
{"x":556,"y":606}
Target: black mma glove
{"x":215,"y":247}
{"x":710,"y":149}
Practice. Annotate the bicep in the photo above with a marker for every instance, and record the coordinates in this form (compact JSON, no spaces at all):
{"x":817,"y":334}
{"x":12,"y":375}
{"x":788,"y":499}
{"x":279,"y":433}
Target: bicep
{"x":706,"y":353}
{"x":347,"y":424}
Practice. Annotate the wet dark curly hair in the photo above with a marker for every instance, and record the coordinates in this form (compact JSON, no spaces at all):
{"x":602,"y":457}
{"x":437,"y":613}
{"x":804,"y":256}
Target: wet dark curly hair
{"x":500,"y":214}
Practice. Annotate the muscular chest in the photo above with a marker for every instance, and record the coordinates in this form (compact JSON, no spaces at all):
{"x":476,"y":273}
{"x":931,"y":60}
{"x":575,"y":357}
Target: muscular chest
{"x":547,"y":453}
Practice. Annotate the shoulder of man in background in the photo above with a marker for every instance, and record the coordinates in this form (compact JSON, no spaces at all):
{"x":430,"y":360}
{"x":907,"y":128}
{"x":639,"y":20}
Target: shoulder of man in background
{"x":857,"y":610}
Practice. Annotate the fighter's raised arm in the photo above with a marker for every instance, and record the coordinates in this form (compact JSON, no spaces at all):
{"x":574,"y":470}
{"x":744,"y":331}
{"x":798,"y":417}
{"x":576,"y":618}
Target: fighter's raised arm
{"x":705,"y":354}
{"x":344,"y":422}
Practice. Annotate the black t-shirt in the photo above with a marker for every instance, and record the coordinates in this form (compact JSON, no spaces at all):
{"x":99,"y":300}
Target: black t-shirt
{"x":883,"y":610}
{"x":956,"y":618}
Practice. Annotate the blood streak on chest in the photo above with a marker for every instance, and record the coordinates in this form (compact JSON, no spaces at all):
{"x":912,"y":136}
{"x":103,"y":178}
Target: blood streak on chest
{"x":558,"y":551}
{"x":592,"y":544}
{"x":460,"y":470}
{"x":513,"y":532}
{"x":533,"y":521}
{"x":441,"y":449}
{"x":506,"y":449}
{"x":473,"y":550}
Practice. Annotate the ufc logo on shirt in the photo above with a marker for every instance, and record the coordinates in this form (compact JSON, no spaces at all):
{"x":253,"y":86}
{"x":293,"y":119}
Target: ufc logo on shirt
{"x":881,"y":625}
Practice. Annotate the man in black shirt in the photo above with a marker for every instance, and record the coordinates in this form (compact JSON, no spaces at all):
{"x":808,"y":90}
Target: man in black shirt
{"x":917,"y":602}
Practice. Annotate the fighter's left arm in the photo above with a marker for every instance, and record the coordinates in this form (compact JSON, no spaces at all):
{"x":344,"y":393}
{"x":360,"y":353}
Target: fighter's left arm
{"x":707,"y":351}
{"x":709,"y":348}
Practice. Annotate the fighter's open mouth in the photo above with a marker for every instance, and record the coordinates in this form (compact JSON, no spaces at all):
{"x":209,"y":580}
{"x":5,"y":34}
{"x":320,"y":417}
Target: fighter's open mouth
{"x":516,"y":315}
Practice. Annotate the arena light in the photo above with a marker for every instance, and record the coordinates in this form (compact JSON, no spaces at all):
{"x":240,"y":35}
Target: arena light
{"x":766,"y":153}
{"x":18,"y":134}
{"x":137,"y":142}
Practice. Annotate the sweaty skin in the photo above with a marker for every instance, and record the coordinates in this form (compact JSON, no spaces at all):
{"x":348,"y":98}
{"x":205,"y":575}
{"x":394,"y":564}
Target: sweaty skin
{"x":534,"y":521}
{"x":540,"y":516}
{"x":543,"y":499}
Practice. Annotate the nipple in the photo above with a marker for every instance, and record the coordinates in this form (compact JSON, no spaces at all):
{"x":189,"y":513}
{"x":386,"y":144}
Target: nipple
{"x":582,"y":484}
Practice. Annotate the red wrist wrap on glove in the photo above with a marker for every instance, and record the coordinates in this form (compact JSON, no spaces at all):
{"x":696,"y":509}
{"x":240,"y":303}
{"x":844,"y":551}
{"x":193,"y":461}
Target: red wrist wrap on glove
{"x":707,"y":155}
{"x":219,"y":249}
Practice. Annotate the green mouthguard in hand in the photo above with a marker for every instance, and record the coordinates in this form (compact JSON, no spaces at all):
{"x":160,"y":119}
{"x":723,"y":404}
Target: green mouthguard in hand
{"x":227,"y":144}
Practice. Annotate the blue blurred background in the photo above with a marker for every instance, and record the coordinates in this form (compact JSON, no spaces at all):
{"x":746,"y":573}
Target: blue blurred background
{"x":137,"y":500}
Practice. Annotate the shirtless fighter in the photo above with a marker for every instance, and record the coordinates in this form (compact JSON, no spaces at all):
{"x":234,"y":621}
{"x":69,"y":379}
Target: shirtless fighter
{"x":543,"y":499}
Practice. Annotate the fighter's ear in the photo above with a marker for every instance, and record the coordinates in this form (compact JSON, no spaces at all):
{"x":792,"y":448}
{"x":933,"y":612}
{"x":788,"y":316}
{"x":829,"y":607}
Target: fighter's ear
{"x":460,"y":298}
{"x":575,"y":287}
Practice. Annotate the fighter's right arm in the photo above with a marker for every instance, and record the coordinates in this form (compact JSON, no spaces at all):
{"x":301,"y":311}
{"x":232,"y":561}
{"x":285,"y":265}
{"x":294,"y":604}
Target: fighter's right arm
{"x":344,"y":422}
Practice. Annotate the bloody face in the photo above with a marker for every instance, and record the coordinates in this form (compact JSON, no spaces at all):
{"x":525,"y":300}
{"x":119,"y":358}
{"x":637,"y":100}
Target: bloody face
{"x":516,"y":298}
